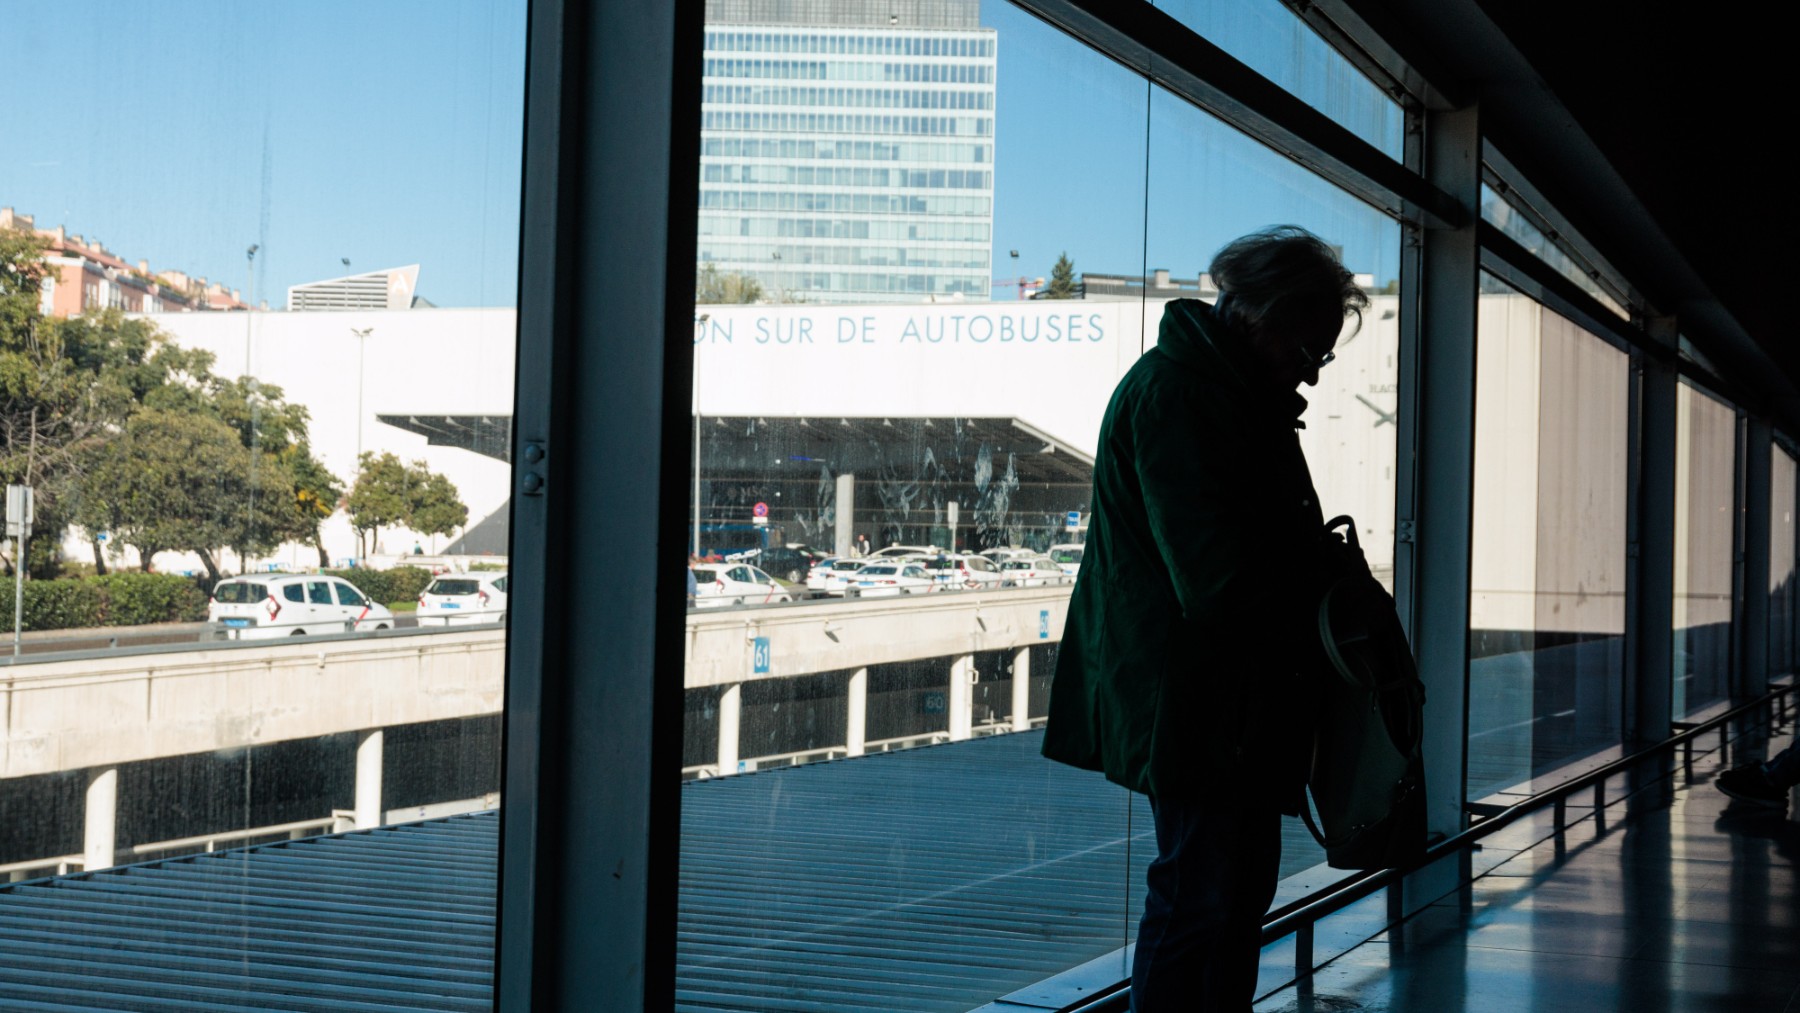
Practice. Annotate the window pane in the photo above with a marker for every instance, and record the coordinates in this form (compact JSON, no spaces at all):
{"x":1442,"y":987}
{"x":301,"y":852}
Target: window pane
{"x":1268,"y":37}
{"x":1510,"y":220}
{"x":869,"y":362}
{"x":289,"y":359}
{"x":1705,"y":476}
{"x":1547,"y":605}
{"x":1781,"y":561}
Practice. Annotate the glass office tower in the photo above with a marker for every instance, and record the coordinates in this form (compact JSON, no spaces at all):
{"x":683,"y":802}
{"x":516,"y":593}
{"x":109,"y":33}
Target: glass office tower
{"x":847,"y":152}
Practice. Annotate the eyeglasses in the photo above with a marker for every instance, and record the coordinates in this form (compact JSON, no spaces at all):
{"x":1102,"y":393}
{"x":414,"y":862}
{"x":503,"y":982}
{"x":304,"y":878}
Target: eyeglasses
{"x":1313,"y":364}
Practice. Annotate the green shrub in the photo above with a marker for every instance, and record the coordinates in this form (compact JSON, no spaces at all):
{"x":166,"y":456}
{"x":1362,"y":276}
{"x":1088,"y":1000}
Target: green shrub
{"x":402,"y":583}
{"x":59,"y":604}
{"x":409,"y":582}
{"x":137,"y":599}
{"x":119,"y":599}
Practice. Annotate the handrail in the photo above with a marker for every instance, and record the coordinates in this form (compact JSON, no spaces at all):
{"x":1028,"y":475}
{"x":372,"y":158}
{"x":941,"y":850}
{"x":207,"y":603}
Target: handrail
{"x":1343,"y":894}
{"x":1298,"y":917}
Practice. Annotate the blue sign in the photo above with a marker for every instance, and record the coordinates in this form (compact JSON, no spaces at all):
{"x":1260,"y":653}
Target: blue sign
{"x":1044,"y":624}
{"x":1073,"y":520}
{"x":934,"y":703}
{"x":759,"y":656}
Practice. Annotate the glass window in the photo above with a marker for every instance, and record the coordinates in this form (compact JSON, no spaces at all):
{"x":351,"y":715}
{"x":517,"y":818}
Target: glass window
{"x":239,"y":592}
{"x":446,"y":586}
{"x":1547,"y":594}
{"x":1268,"y":37}
{"x":1516,"y":224}
{"x":843,"y":409}
{"x":318,"y":270}
{"x":1782,"y":475}
{"x":836,"y":400}
{"x":1705,"y":480}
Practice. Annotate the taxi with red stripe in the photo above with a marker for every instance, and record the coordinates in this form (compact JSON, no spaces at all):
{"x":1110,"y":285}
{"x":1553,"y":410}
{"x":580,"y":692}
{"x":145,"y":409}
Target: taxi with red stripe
{"x":259,"y":605}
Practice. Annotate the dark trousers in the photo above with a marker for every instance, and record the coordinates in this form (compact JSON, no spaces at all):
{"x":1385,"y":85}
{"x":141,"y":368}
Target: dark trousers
{"x":1210,"y":885}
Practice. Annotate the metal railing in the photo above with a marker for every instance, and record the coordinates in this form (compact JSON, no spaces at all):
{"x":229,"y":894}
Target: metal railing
{"x":1298,"y":917}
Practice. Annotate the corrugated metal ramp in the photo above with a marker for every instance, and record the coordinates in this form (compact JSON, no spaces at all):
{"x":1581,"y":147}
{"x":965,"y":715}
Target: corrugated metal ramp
{"x":927,"y":880}
{"x":392,"y":919}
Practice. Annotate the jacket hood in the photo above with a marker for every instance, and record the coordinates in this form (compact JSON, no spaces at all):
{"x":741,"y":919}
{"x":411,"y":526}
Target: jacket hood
{"x":1193,"y":335}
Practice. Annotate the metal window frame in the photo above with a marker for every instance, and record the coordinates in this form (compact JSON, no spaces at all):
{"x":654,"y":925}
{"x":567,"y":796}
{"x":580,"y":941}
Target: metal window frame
{"x":607,"y":241}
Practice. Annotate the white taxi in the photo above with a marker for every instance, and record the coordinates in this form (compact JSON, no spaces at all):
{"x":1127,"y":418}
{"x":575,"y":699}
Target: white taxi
{"x":256,"y":606}
{"x":464,"y":598}
{"x":721,"y":584}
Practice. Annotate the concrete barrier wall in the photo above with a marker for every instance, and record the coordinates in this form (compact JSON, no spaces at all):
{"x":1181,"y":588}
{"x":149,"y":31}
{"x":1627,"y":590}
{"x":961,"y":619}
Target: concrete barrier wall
{"x":103,"y":710}
{"x":835,"y":636}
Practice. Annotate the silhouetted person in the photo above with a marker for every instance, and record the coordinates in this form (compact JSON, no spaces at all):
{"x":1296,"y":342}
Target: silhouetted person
{"x":1764,"y":783}
{"x":1185,"y":668}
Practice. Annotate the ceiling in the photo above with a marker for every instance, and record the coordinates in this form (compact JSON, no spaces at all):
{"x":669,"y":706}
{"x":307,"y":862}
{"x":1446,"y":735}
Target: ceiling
{"x":1649,"y":125}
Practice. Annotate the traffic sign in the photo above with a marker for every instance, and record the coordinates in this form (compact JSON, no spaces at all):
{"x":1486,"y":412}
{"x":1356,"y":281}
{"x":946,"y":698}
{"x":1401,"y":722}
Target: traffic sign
{"x":20,"y":511}
{"x":759,"y":656}
{"x":1072,"y":520}
{"x":760,"y":510}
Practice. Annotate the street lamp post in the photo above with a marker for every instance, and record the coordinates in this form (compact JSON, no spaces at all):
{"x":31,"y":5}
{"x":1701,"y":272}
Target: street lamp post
{"x":362,"y":340}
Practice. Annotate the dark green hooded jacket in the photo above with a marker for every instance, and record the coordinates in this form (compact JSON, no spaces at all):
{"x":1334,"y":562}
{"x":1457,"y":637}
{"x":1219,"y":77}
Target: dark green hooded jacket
{"x":1186,"y":666}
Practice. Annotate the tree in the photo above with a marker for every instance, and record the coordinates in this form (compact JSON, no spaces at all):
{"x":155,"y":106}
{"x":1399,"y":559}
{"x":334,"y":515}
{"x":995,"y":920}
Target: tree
{"x":1062,"y":279}
{"x":181,"y":481}
{"x":715,"y":288}
{"x":390,"y":493}
{"x":378,"y":498}
{"x":317,"y":493}
{"x":437,"y":510}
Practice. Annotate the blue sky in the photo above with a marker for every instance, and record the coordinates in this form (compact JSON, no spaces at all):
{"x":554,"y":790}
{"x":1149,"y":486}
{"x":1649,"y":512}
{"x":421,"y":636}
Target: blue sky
{"x":388,"y":132}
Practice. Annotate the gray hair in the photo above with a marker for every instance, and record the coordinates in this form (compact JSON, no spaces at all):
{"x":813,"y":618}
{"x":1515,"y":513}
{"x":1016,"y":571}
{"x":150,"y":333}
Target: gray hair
{"x":1282,"y":276}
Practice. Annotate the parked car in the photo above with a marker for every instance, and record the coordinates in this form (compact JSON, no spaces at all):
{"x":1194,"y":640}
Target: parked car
{"x":891,"y":578}
{"x":460,"y":598}
{"x":287,"y":604}
{"x":723,"y":584}
{"x":902,"y":551}
{"x":827,"y":577}
{"x":790,"y":562}
{"x":1001,"y":555}
{"x":960,"y":571}
{"x":1067,"y":557}
{"x":1031,"y":571}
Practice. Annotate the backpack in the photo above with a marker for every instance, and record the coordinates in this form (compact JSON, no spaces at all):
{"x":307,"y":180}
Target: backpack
{"x":1368,"y":777}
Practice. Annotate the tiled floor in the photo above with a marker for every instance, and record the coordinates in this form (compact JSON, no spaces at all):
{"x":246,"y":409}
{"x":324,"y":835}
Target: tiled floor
{"x":1683,"y":901}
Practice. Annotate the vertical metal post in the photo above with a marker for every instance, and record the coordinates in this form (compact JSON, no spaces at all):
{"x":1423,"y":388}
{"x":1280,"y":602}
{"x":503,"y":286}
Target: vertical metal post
{"x":960,"y":702}
{"x":589,"y":866}
{"x":1021,"y":690}
{"x":731,"y":716}
{"x":18,"y":547}
{"x":844,"y":509}
{"x":1650,"y":611}
{"x":100,"y":818}
{"x":368,"y":779}
{"x":1752,"y":676}
{"x":857,"y":719}
{"x":1436,"y":446}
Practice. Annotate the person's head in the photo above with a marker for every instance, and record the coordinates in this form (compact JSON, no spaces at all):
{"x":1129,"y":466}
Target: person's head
{"x":1285,"y":291}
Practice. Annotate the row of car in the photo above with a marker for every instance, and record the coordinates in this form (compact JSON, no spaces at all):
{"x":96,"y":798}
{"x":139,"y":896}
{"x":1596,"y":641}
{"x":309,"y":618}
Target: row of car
{"x":257,"y":606}
{"x":895,"y":570}
{"x":911,"y":569}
